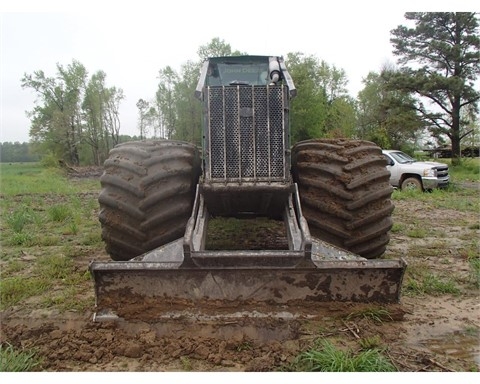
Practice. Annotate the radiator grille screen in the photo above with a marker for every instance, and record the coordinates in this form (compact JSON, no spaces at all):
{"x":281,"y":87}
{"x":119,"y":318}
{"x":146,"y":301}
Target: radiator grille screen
{"x":246,"y":132}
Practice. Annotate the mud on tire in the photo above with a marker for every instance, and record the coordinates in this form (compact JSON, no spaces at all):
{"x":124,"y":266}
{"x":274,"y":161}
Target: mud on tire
{"x":345,"y":193}
{"x":147,"y":195}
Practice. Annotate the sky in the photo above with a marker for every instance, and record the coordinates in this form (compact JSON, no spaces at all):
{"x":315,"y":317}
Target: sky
{"x":131,"y":41}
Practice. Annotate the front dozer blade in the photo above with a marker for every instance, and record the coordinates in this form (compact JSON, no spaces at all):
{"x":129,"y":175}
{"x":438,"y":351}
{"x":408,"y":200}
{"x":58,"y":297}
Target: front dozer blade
{"x":155,"y":286}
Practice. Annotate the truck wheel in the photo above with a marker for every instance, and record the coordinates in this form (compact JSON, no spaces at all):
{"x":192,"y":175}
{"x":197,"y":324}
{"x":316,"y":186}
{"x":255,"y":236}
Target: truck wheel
{"x":147,"y":195}
{"x":345,"y":193}
{"x":412,"y":183}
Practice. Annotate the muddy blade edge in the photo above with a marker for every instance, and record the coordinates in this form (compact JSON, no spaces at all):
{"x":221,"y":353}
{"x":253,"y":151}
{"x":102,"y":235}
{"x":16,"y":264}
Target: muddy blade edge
{"x":145,"y":291}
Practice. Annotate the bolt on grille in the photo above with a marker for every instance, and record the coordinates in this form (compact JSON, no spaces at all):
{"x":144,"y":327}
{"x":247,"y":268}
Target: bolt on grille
{"x":246,"y":133}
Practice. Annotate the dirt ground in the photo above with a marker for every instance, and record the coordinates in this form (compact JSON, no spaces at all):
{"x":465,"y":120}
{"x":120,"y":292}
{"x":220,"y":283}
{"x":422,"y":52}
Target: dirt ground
{"x":422,"y":333}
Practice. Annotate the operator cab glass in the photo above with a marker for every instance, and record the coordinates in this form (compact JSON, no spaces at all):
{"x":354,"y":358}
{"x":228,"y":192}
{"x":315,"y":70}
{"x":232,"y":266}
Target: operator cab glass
{"x":237,"y":73}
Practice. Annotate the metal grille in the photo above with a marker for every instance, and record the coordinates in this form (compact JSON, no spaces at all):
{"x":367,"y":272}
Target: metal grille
{"x":246,"y":132}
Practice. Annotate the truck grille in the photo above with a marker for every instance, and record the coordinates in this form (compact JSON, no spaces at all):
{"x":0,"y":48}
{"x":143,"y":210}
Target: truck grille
{"x":246,"y":135}
{"x":442,"y":172}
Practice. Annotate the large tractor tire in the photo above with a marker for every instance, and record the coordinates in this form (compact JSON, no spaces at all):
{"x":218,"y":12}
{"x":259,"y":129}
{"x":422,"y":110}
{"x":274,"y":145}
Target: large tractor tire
{"x":345,"y":193}
{"x":147,"y":195}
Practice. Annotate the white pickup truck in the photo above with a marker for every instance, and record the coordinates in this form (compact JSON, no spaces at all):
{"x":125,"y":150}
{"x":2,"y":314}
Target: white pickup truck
{"x":408,"y":173}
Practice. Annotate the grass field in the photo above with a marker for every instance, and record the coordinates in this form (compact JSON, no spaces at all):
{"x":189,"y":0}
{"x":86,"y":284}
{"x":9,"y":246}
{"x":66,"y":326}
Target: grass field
{"x":50,"y":230}
{"x":47,"y":222}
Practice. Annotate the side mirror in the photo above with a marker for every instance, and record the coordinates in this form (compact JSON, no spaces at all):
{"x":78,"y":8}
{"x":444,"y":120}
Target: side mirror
{"x":389,"y":160}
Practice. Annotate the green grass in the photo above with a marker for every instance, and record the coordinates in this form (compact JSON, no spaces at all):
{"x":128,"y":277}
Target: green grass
{"x":407,"y":194}
{"x":60,"y":270}
{"x":419,"y":280}
{"x":325,"y":357}
{"x":67,"y":300}
{"x":186,"y":363}
{"x":468,"y":170}
{"x":15,"y":289}
{"x":19,"y":218}
{"x":44,"y":273}
{"x":20,"y":239}
{"x":60,"y":212}
{"x":378,"y":315}
{"x":398,"y":228}
{"x":51,"y":267}
{"x":33,"y":195}
{"x":47,"y":221}
{"x":32,"y":178}
{"x":440,"y":249}
{"x":372,"y":342}
{"x":464,"y":199}
{"x":417,"y":233}
{"x":13,"y":360}
{"x":245,"y":346}
{"x":474,"y":262}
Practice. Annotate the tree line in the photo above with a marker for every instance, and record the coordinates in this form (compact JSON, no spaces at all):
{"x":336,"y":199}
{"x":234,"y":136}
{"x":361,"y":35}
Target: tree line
{"x":430,"y":94}
{"x":76,"y":117}
{"x":17,"y":153}
{"x":27,"y":152}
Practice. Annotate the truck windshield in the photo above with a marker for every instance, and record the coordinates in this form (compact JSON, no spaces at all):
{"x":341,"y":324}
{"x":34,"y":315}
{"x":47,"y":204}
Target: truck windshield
{"x":237,"y":74}
{"x":402,"y":158}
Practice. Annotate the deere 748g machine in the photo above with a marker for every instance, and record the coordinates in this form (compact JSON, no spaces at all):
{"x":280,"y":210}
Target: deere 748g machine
{"x":158,"y":197}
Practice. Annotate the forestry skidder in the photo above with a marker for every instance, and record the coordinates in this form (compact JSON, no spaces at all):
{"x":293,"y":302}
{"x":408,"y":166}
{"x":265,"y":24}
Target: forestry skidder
{"x":158,"y":197}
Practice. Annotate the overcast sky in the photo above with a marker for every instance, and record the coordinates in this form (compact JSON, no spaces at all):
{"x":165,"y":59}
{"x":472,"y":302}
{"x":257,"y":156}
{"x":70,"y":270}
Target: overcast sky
{"x":132,"y":40}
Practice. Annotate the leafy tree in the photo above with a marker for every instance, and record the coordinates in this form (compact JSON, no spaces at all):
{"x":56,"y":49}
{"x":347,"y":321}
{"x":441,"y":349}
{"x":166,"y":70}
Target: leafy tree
{"x":322,"y":107}
{"x":143,"y":109}
{"x":189,"y":121}
{"x":440,"y":64}
{"x":333,"y":81}
{"x":101,"y":117}
{"x":165,"y":99}
{"x":341,"y":120}
{"x":178,"y":110}
{"x":384,"y":116}
{"x":74,"y":115}
{"x":472,"y":138}
{"x":57,"y":121}
{"x":111,"y":115}
{"x":308,"y":112}
{"x":94,"y":107}
{"x":152,"y":121}
{"x":216,"y":48}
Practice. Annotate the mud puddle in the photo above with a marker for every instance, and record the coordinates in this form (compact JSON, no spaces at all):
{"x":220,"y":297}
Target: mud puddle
{"x":464,"y":345}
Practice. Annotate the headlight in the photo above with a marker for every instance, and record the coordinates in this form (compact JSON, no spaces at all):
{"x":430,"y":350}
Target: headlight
{"x":431,"y":172}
